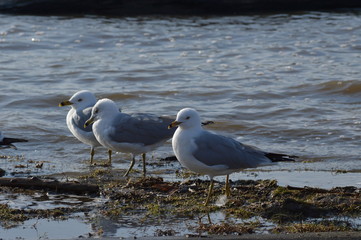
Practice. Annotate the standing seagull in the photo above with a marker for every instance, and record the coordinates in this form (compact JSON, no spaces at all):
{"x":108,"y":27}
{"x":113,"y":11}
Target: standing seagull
{"x":6,"y":142}
{"x":210,"y":154}
{"x":81,"y":105}
{"x":121,"y":132}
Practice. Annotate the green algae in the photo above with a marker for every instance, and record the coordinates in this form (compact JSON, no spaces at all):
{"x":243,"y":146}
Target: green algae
{"x":153,"y":199}
{"x":282,"y":205}
{"x":316,"y":226}
{"x":228,"y":228}
{"x":9,"y":217}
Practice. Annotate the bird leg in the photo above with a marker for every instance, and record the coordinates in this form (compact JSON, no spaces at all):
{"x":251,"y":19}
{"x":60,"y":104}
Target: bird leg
{"x":209,"y":218}
{"x":209,"y":192}
{"x":228,"y":189}
{"x":144,"y":168}
{"x":91,"y":155}
{"x":109,"y":156}
{"x":131,"y":166}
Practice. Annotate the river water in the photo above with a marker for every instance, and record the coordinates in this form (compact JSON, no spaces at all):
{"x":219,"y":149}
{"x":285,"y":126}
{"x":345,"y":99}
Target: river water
{"x":287,"y":83}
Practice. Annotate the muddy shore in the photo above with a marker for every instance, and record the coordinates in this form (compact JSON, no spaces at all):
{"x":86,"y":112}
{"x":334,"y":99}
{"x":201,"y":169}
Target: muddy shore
{"x":299,"y":236}
{"x":257,"y":209}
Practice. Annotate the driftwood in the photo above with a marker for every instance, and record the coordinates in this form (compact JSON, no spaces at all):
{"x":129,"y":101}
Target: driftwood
{"x":52,"y":185}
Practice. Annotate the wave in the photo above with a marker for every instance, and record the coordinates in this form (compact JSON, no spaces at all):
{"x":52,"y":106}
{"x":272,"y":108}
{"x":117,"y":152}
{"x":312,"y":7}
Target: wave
{"x":333,"y":88}
{"x":348,"y":87}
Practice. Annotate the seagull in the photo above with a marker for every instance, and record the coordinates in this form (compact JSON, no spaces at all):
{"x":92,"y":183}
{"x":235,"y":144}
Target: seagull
{"x":136,"y":134}
{"x":81,"y":104}
{"x":211,"y":154}
{"x":6,"y":142}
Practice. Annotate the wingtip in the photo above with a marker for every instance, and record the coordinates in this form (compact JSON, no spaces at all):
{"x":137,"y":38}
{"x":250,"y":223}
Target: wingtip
{"x":276,"y":157}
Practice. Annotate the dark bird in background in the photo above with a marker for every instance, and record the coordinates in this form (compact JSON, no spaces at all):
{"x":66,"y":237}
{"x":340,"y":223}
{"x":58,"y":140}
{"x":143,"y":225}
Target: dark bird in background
{"x":6,"y":142}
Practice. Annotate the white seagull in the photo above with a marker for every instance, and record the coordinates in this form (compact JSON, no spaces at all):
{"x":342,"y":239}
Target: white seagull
{"x":121,"y":132}
{"x":210,"y":154}
{"x":81,"y":104}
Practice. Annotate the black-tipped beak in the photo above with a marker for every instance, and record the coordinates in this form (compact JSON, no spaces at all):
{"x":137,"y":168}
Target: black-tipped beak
{"x":174,"y":124}
{"x":88,"y":122}
{"x":65,"y":103}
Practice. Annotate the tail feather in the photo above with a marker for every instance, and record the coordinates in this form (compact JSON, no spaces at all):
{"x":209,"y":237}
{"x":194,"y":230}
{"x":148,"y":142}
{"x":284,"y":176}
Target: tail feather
{"x":276,"y":157}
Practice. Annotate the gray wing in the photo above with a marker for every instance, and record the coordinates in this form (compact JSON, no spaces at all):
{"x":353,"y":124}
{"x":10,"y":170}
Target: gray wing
{"x":80,"y":118}
{"x":214,"y":149}
{"x":141,"y":128}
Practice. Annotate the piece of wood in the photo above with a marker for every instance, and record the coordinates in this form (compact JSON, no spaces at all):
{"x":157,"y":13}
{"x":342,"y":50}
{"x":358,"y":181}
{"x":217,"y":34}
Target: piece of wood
{"x":52,"y":185}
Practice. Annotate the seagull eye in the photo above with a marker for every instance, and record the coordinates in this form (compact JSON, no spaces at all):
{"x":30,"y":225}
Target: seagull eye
{"x":96,"y":111}
{"x":188,"y":118}
{"x":79,"y":100}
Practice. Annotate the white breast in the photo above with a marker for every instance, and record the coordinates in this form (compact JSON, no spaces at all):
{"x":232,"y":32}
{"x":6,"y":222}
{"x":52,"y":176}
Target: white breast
{"x":83,"y":136}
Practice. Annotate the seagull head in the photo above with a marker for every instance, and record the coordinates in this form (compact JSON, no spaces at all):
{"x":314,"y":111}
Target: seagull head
{"x":80,"y":100}
{"x":104,"y":108}
{"x":187,"y":118}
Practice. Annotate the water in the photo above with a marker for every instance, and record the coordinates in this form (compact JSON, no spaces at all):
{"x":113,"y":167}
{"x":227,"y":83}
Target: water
{"x":286,"y":83}
{"x":48,"y":229}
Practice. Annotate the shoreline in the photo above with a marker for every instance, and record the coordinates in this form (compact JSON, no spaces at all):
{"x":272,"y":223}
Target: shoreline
{"x":175,"y":210}
{"x":281,"y":236}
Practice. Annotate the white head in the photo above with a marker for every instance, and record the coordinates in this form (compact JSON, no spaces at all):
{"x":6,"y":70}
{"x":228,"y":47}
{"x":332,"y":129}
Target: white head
{"x":187,"y":118}
{"x":80,"y":100}
{"x":104,"y":108}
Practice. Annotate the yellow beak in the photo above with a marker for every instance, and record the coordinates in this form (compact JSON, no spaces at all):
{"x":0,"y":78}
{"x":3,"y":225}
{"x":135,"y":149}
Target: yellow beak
{"x":88,"y":122}
{"x":174,"y":124}
{"x":65,"y":103}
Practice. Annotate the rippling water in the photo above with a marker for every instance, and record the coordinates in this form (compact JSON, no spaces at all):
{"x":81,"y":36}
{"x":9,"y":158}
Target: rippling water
{"x":284,"y":83}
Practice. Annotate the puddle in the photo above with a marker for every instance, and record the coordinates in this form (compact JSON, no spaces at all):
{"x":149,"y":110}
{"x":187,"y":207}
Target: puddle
{"x":41,"y":200}
{"x":316,"y":179}
{"x":47,"y":229}
{"x":295,"y":178}
{"x":132,"y":227}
